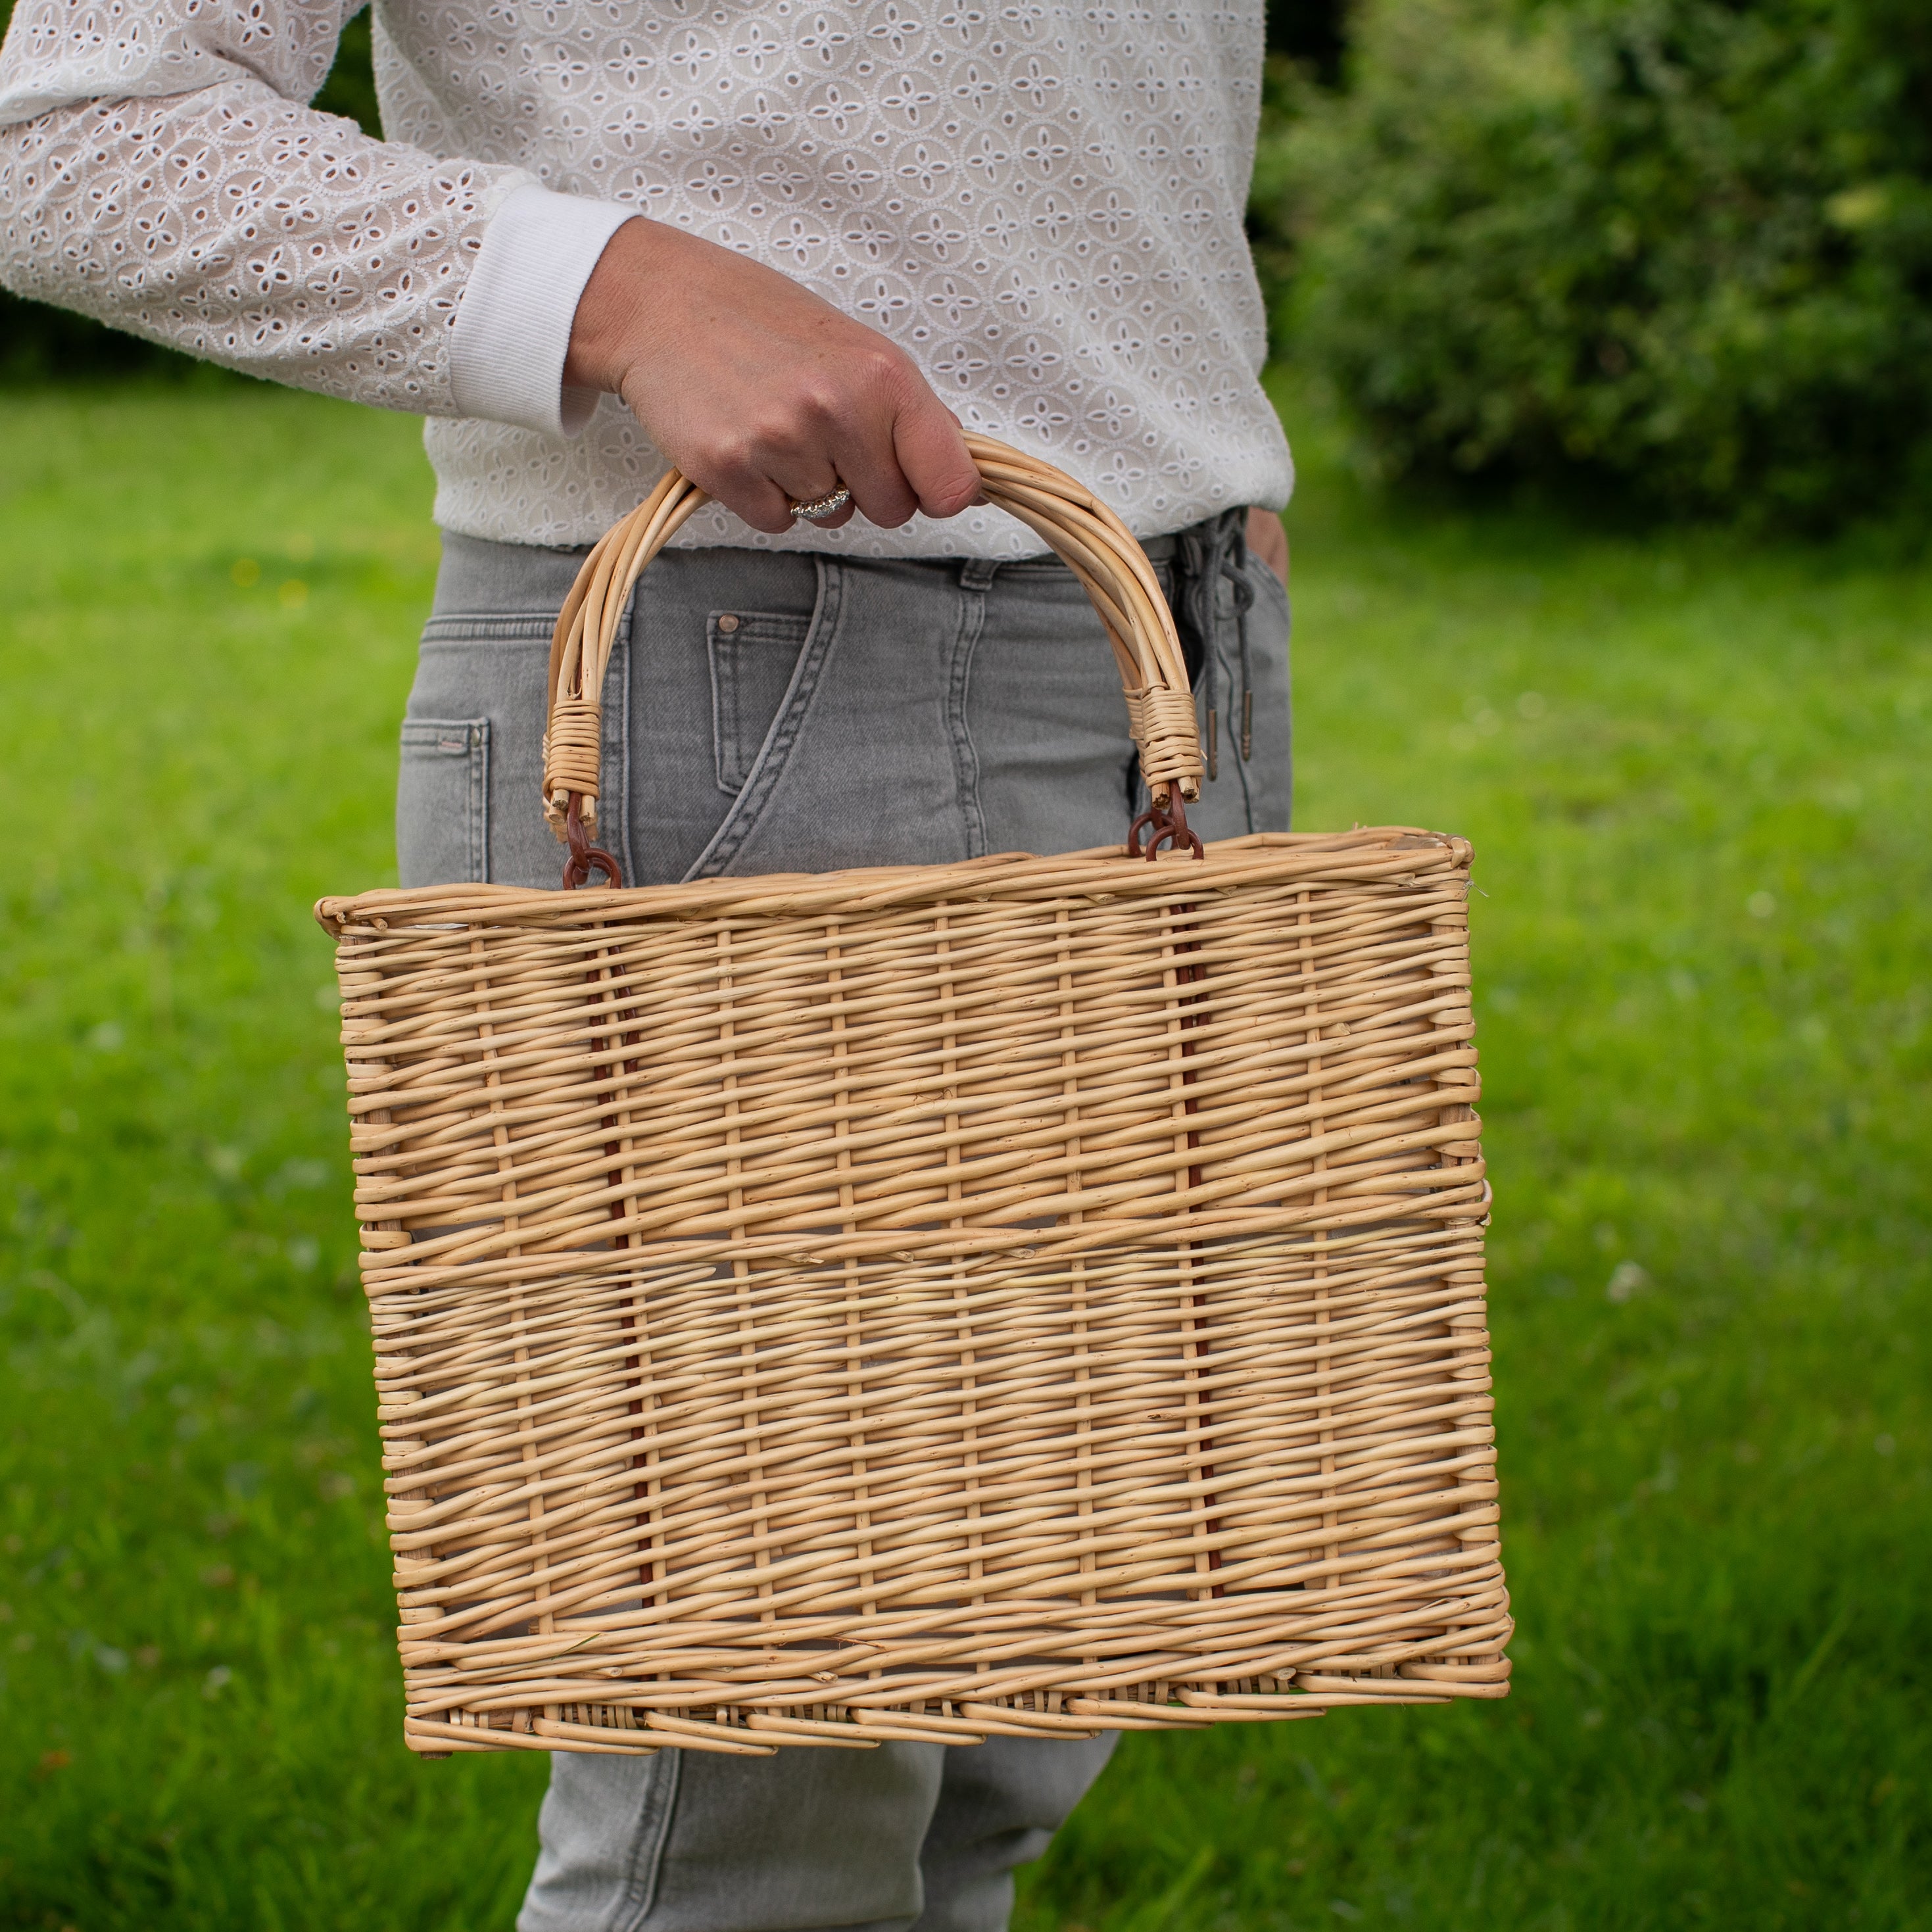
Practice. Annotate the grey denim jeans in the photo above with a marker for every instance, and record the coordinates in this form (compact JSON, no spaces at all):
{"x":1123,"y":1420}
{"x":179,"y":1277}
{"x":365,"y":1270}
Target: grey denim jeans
{"x":782,"y":713}
{"x":906,"y":1835}
{"x":770,"y":712}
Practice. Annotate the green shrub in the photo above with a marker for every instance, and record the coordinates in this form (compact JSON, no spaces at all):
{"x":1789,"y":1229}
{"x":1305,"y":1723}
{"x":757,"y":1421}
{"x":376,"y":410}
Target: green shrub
{"x":1685,"y":243}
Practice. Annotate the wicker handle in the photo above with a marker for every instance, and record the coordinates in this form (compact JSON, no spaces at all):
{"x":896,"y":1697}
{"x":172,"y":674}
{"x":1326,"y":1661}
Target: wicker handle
{"x":1088,"y":537}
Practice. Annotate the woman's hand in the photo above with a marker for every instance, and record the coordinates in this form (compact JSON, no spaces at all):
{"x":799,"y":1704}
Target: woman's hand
{"x":1268,"y":541}
{"x":762,"y":394}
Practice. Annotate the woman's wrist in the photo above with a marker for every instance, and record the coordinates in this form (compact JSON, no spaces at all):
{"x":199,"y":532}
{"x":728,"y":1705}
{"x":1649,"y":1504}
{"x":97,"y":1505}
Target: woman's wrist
{"x":1268,"y":541}
{"x":607,"y":311}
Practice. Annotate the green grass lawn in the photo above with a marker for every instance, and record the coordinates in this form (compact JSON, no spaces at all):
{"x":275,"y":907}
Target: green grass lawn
{"x":1695,"y":776}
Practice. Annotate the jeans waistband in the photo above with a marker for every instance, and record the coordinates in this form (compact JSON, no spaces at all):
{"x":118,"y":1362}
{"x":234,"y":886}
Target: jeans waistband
{"x":1215,"y":533}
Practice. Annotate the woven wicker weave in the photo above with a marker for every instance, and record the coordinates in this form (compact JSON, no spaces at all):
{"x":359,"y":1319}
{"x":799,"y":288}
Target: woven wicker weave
{"x":1025,"y":1296}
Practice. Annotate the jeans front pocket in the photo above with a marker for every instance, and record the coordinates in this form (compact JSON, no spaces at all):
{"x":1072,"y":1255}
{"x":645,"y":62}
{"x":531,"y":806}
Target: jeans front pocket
{"x":753,"y":654}
{"x":443,"y":802}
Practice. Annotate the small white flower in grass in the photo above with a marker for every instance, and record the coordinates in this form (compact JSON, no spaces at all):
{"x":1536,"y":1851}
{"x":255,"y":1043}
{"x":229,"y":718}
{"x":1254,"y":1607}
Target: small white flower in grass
{"x":1630,"y":1278}
{"x":217,"y":1680}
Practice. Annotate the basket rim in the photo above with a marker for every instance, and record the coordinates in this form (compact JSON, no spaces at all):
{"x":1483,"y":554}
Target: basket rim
{"x":1383,"y":853}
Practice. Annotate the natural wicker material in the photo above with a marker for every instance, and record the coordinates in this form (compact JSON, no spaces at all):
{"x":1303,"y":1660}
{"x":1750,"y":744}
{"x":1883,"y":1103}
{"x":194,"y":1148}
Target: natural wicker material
{"x":1086,"y":535}
{"x":1024,"y":1296}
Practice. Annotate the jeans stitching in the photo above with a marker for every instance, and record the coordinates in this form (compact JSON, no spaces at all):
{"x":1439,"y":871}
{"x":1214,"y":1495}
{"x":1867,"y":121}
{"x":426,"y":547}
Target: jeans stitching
{"x":723,"y":667}
{"x":431,"y":736}
{"x":1264,"y":653}
{"x":479,"y":801}
{"x":489,"y":627}
{"x":1231,"y":750}
{"x":768,"y":768}
{"x":965,"y":757}
{"x":622,"y":787}
{"x":726,"y":663}
{"x":645,"y":1866}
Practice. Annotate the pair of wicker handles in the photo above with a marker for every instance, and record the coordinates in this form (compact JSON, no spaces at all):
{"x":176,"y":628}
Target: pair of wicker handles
{"x":1087,"y":536}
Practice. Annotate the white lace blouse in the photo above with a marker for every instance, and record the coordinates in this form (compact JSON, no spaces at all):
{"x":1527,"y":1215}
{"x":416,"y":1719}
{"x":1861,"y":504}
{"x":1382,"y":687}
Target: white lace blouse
{"x":1041,"y":200}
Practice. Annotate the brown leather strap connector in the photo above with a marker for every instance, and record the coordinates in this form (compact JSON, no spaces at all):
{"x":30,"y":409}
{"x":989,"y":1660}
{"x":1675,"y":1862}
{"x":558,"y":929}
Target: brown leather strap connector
{"x":585,"y":858}
{"x":1165,"y":822}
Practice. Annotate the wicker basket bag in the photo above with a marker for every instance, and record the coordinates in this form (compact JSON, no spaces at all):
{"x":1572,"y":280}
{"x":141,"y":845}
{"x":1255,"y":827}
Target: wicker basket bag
{"x":1027,"y":1296}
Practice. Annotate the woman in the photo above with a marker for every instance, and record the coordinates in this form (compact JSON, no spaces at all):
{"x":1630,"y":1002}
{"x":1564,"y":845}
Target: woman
{"x":790,"y":246}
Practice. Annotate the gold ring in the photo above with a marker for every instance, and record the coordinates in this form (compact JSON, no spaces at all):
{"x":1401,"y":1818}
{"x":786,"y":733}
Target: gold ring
{"x":822,"y":506}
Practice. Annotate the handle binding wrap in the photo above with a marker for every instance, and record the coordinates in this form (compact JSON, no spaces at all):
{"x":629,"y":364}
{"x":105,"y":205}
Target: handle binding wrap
{"x":1087,"y":536}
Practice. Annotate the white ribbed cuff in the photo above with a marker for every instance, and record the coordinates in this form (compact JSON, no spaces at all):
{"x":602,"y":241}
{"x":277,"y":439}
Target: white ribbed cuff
{"x":512,"y":333}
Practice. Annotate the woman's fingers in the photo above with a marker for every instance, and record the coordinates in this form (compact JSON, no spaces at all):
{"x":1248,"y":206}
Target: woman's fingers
{"x":867,"y":468}
{"x":933,"y":457}
{"x":757,"y":499}
{"x":818,"y":493}
{"x":813,"y":479}
{"x":855,"y":442}
{"x":904,"y":453}
{"x":838,"y":519}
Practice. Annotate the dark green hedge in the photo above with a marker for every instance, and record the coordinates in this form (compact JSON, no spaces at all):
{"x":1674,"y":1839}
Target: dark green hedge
{"x":1683,"y":244}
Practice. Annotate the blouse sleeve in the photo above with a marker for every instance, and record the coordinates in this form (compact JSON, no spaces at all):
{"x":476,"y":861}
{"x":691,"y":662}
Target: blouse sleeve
{"x":161,"y":170}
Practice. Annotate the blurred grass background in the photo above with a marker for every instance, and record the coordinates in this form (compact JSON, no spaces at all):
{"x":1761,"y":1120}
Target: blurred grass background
{"x":1694,"y":771}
